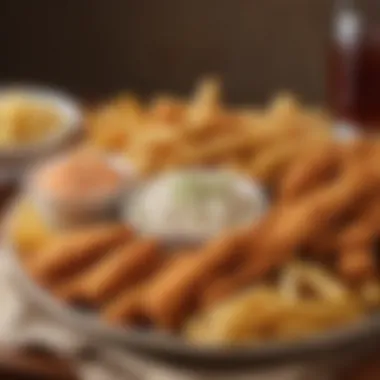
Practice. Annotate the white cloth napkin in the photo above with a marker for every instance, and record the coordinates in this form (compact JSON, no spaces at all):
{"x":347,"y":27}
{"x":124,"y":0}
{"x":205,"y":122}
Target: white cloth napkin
{"x":23,"y":323}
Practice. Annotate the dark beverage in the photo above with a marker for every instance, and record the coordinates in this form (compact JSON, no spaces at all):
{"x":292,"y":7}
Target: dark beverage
{"x":354,"y":71}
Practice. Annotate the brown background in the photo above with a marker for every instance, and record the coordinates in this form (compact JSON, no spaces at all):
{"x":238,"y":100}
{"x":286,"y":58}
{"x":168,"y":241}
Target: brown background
{"x":96,"y":47}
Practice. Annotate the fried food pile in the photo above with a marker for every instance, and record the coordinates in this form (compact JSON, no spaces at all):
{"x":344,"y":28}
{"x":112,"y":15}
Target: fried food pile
{"x":173,"y":133}
{"x":309,"y":265}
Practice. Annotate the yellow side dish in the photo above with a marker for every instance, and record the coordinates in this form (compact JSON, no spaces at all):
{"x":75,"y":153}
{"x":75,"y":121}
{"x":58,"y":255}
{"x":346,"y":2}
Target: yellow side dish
{"x":24,"y":120}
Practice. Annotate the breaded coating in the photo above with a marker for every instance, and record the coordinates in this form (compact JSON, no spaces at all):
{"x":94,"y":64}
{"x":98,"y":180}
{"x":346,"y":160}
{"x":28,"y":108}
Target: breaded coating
{"x":69,"y":254}
{"x":120,"y":269}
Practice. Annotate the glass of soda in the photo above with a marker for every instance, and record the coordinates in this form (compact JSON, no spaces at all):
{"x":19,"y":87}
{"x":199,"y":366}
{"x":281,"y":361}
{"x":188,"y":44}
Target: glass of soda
{"x":353,"y":67}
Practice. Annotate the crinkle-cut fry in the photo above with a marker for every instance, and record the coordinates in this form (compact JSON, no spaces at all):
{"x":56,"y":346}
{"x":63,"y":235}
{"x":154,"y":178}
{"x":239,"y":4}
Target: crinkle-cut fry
{"x":322,"y":284}
{"x":120,"y":269}
{"x":205,"y":105}
{"x":70,"y":253}
{"x":315,"y":170}
{"x":174,"y":292}
{"x":288,"y":227}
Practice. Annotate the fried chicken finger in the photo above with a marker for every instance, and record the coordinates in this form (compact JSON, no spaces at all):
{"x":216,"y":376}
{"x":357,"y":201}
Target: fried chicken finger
{"x":290,"y":226}
{"x":67,"y":256}
{"x":173,"y":293}
{"x":119,"y":270}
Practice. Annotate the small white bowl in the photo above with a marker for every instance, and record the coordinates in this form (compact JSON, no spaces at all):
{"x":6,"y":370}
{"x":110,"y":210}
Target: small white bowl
{"x":70,"y":214}
{"x":66,"y":214}
{"x":174,"y":239}
{"x":15,"y":160}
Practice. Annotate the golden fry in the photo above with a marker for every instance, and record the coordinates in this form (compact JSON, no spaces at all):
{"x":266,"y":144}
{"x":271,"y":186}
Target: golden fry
{"x":174,"y":134}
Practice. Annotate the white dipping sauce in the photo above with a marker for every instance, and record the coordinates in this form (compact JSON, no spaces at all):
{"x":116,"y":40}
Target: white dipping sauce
{"x":195,"y":204}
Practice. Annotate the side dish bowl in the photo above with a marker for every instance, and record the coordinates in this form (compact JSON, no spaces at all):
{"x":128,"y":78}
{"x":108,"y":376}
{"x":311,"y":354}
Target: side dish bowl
{"x":179,"y":188}
{"x":16,"y":158}
{"x":83,"y":207}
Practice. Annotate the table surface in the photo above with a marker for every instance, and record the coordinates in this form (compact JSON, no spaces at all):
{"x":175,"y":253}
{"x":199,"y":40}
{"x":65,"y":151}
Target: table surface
{"x":28,"y":365}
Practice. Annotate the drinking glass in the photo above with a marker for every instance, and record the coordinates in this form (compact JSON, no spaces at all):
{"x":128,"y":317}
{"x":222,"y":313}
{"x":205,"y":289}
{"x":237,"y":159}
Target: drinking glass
{"x":353,"y":85}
